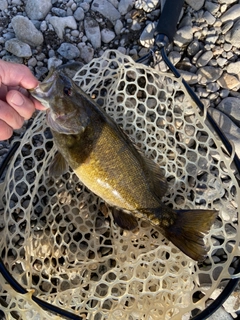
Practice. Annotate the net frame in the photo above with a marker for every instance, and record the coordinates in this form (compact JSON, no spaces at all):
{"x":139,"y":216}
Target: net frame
{"x":118,"y":72}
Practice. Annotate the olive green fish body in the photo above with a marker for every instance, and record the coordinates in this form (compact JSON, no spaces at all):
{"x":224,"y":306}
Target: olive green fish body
{"x":108,"y":163}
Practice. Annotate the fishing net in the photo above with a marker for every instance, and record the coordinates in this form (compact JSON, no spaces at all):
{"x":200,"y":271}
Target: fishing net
{"x":58,"y":244}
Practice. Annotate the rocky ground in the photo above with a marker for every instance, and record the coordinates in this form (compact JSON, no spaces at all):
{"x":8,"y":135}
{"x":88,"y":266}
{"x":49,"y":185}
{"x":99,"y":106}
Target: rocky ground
{"x":45,"y":33}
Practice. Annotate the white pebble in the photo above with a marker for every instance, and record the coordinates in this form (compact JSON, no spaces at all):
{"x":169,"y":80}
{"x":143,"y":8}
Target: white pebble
{"x":107,"y":35}
{"x":118,"y":27}
{"x":204,"y":59}
{"x":221,"y":61}
{"x":75,"y":33}
{"x":209,"y":18}
{"x":43,"y":26}
{"x":232,"y":13}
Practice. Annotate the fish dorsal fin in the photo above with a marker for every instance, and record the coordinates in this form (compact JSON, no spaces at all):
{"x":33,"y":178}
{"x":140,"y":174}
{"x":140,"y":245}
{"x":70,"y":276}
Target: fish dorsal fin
{"x":154,"y":173}
{"x":58,"y":166}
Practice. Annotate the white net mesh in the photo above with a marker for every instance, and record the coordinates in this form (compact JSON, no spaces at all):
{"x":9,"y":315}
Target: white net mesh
{"x":55,"y":240}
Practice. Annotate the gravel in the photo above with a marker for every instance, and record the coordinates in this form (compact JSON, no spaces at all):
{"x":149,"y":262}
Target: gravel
{"x":205,"y":50}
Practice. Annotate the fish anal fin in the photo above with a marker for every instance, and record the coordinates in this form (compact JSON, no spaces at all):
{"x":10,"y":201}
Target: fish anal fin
{"x":124,"y":220}
{"x":58,"y":166}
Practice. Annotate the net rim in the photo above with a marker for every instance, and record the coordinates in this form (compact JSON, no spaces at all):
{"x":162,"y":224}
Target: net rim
{"x":206,"y":312}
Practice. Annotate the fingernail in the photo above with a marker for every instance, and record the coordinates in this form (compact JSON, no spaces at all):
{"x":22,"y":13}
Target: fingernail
{"x":17,"y":100}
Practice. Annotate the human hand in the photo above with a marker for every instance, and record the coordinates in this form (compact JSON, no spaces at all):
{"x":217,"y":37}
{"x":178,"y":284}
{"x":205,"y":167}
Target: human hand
{"x":16,"y":105}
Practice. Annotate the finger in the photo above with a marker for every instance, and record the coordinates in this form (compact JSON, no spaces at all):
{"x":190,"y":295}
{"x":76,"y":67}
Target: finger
{"x":22,"y":104}
{"x":3,"y":92}
{"x":12,"y":74}
{"x":38,"y":104}
{"x":10,"y":116}
{"x":5,"y":131}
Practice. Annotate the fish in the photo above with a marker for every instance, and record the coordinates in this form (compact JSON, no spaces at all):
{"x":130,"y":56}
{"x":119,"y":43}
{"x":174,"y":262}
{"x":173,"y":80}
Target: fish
{"x":109,"y":164}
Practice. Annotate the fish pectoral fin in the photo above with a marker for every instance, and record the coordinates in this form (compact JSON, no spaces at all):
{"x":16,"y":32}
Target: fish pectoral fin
{"x":124,"y":220}
{"x":58,"y":166}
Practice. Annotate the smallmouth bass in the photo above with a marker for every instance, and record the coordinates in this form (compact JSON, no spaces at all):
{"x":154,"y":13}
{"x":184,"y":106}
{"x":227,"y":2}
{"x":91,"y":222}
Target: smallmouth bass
{"x":107,"y":162}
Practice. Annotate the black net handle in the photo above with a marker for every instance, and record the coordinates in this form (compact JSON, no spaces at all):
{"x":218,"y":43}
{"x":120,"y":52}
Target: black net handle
{"x":169,"y":18}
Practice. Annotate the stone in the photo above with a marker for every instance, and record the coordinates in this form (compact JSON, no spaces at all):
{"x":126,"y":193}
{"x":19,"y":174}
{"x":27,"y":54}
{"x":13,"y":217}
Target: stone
{"x":79,"y":14}
{"x":85,"y":6}
{"x":228,"y":81}
{"x":231,"y":107}
{"x":136,"y":25}
{"x":118,"y":27}
{"x":226,"y":1}
{"x":59,"y":24}
{"x":146,"y":5}
{"x":125,"y":6}
{"x":92,"y":31}
{"x":69,"y":12}
{"x":9,"y":35}
{"x":221,"y":62}
{"x":59,"y":12}
{"x":211,"y":38}
{"x":43,"y":26}
{"x":193,"y":47}
{"x":3,"y":5}
{"x":74,"y":6}
{"x":38,"y":9}
{"x":212,"y":87}
{"x":189,"y":77}
{"x":18,"y":48}
{"x":227,"y":26}
{"x":17,"y":2}
{"x":10,"y":58}
{"x":106,"y":9}
{"x":209,"y":18}
{"x":234,"y":68}
{"x":25,"y":31}
{"x":86,"y":52}
{"x":211,"y":7}
{"x":107,"y":35}
{"x":208,"y":74}
{"x":41,"y":71}
{"x":204,"y":59}
{"x":224,"y":93}
{"x":75,"y":33}
{"x":68,"y":51}
{"x":122,"y":50}
{"x":32,"y":62}
{"x":195,"y":4}
{"x":174,"y":57}
{"x":234,"y":34}
{"x":147,"y":36}
{"x":185,"y":21}
{"x":183,"y":36}
{"x":227,"y":47}
{"x":54,"y":62}
{"x":231,"y":14}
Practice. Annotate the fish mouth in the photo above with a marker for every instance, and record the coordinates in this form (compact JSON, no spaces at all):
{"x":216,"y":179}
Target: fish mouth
{"x":44,"y":90}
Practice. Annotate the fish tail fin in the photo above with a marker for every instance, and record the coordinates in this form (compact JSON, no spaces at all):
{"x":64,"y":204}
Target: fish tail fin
{"x":188,"y":230}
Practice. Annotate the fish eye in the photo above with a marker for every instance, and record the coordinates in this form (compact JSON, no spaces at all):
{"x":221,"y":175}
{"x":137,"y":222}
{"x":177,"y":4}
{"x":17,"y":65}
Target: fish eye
{"x":67,"y":91}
